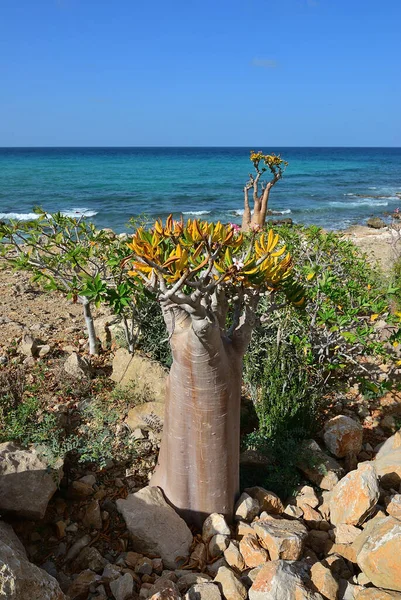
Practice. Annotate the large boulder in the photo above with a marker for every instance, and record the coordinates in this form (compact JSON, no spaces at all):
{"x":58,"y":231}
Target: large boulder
{"x":355,"y":496}
{"x":342,"y":436}
{"x":321,"y":469}
{"x":27,"y":482}
{"x":20,"y":579}
{"x":283,"y":539}
{"x":379,"y":556}
{"x":155,"y":527}
{"x":283,"y":580}
{"x":146,"y":376}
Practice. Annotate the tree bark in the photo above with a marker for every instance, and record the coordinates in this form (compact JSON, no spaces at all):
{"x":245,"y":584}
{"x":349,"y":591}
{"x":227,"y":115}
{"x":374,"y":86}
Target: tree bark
{"x":246,"y":217}
{"x":198,"y":465}
{"x":93,"y":345}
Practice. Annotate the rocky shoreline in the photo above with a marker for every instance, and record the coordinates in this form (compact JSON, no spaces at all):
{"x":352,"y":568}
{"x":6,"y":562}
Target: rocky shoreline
{"x":104,"y":534}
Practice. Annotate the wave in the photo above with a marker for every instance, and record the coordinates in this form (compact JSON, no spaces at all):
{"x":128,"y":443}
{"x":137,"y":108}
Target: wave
{"x":367,"y":202}
{"x":196,"y":212}
{"x":73,"y":212}
{"x":19,"y":216}
{"x":240,"y":211}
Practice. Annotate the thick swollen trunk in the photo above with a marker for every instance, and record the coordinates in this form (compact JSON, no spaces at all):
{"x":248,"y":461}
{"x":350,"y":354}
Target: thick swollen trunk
{"x":198,"y":466}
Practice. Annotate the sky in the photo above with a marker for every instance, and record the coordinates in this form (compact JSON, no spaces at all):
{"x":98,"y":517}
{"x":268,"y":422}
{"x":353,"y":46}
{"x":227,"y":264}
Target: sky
{"x":204,"y":73}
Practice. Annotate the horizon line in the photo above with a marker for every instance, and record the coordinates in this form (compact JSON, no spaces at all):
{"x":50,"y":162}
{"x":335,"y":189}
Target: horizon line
{"x":196,"y":146}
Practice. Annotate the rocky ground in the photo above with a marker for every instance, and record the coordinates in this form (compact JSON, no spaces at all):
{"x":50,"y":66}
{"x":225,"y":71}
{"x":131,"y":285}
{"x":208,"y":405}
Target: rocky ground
{"x":101,"y":532}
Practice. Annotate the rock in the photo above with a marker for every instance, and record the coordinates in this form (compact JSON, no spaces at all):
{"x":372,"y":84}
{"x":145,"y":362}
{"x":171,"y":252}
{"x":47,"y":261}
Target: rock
{"x":377,"y":594}
{"x":110,"y":572}
{"x":379,"y":556}
{"x":246,"y":509}
{"x":317,"y":540}
{"x":388,"y":468}
{"x":28,"y":346}
{"x":81,"y":584}
{"x":89,"y":479}
{"x":190,"y":579}
{"x":144,"y":566}
{"x":43,"y":350}
{"x":321,"y":469}
{"x":311,"y":517}
{"x":164,"y":589}
{"x":212,"y":568}
{"x":345,"y":534}
{"x":122,"y":587}
{"x":27,"y":482}
{"x":268,"y":501}
{"x":355,"y":496}
{"x":295,"y":512}
{"x":92,"y":517}
{"x":77,"y":367}
{"x":230,"y":586}
{"x":79,"y":489}
{"x":324,"y":581}
{"x":234,"y":557}
{"x":282,"y":580}
{"x":147,"y":416}
{"x":20,"y":579}
{"x":109,"y":329}
{"x":155,"y":527}
{"x":77,"y":547}
{"x":376,"y":223}
{"x":214,"y":524}
{"x":89,"y":558}
{"x":246,"y":528}
{"x":283,"y":539}
{"x":393,"y":506}
{"x":306,"y":495}
{"x":203,"y":591}
{"x":253,"y":554}
{"x":342,"y":436}
{"x":391,"y":444}
{"x":218,"y":544}
{"x":148,"y":376}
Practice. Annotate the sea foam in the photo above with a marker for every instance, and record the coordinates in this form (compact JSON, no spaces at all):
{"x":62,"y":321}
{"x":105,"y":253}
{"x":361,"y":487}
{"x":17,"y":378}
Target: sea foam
{"x":73,"y":212}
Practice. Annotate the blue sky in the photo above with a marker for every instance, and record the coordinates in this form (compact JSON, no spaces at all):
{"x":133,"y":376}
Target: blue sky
{"x":215,"y":72}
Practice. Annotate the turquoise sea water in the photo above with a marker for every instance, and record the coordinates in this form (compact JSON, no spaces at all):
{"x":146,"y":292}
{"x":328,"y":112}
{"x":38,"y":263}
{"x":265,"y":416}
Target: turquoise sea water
{"x":330,"y":187}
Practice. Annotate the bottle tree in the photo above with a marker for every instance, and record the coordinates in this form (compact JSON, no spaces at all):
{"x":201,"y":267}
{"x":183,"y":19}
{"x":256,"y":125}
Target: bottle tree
{"x":256,"y":218}
{"x":208,"y":278}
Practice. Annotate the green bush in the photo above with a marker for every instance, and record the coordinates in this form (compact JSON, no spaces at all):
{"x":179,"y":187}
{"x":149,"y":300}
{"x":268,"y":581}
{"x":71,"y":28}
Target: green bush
{"x":296,"y":356}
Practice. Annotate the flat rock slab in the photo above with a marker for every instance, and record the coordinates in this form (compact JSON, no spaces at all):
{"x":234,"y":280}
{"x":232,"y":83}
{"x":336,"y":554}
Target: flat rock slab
{"x":26,"y":481}
{"x":20,"y":579}
{"x":283,"y":539}
{"x":146,"y":376}
{"x":155,"y":527}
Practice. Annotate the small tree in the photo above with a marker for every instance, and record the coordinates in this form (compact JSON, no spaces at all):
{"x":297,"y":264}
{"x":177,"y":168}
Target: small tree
{"x":208,"y":279}
{"x":73,"y":257}
{"x":261,"y":163}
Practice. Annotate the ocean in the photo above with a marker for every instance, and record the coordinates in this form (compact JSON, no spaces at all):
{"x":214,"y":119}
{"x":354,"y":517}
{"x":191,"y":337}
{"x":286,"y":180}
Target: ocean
{"x":330,"y":187}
